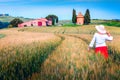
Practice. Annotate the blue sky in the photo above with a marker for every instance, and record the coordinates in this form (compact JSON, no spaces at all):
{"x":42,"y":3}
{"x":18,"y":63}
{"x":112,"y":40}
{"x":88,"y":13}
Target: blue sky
{"x":99,"y":9}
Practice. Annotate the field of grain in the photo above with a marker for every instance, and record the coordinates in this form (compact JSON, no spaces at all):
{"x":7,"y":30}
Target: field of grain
{"x":21,"y":53}
{"x":62,"y":52}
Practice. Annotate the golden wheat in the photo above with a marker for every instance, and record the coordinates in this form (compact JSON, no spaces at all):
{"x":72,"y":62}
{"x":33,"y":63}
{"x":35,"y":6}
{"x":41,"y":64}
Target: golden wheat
{"x":70,"y":60}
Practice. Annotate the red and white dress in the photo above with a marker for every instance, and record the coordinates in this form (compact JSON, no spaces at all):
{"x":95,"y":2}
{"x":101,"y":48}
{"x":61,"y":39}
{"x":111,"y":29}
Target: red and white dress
{"x":100,"y":45}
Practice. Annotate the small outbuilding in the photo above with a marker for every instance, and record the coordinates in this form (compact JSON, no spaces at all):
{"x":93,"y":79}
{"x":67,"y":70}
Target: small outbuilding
{"x":37,"y":22}
{"x":80,"y":19}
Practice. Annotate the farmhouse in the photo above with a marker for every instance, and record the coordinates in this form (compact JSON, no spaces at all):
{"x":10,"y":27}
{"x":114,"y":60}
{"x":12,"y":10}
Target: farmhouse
{"x":80,"y":19}
{"x":38,"y":22}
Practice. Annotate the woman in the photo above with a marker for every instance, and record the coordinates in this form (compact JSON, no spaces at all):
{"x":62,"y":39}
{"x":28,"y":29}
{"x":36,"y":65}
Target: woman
{"x":99,"y":39}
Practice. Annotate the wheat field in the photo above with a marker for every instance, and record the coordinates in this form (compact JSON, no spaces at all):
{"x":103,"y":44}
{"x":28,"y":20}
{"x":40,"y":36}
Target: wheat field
{"x":57,"y":53}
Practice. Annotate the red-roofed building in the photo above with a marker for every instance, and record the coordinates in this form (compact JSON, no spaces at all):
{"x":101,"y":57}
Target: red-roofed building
{"x":80,"y":19}
{"x":38,"y":22}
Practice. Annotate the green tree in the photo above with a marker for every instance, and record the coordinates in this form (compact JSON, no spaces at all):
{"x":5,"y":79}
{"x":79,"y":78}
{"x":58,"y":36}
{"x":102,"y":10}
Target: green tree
{"x":15,"y":22}
{"x":54,"y":18}
{"x":87,"y":17}
{"x":74,"y":16}
{"x":57,"y":20}
{"x":53,"y":21}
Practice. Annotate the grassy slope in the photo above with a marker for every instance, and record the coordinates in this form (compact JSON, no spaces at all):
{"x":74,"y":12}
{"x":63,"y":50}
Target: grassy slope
{"x":106,"y":22}
{"x":9,"y":18}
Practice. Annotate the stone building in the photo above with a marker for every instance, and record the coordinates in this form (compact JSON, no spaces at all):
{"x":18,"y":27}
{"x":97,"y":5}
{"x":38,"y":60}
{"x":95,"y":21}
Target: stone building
{"x":80,"y":19}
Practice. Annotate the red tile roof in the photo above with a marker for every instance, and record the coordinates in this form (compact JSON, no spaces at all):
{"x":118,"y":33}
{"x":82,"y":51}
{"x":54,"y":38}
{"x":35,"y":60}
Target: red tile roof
{"x":80,"y":15}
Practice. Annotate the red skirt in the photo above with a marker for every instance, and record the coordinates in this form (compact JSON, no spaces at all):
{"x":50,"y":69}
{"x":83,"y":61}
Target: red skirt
{"x":103,"y":50}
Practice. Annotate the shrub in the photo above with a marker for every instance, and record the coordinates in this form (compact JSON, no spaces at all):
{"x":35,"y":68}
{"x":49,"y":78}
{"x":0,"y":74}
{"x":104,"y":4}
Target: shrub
{"x":15,"y":22}
{"x":10,"y":26}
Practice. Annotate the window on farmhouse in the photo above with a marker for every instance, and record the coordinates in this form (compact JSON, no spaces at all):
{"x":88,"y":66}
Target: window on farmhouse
{"x":25,"y":25}
{"x":31,"y":24}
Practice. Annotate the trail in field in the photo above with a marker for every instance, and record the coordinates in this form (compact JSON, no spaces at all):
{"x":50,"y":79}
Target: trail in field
{"x":65,"y":61}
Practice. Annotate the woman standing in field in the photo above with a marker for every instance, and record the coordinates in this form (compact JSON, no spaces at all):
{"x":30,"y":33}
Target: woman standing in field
{"x":99,"y":39}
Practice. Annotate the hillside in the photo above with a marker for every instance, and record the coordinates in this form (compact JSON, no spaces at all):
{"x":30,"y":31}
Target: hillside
{"x":4,"y":20}
{"x":9,"y":18}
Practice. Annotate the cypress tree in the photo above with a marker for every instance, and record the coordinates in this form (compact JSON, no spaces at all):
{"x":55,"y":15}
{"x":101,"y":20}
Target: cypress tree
{"x":87,"y":17}
{"x":74,"y":16}
{"x":56,"y":19}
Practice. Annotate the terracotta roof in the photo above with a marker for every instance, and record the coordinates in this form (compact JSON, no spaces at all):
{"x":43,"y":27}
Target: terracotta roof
{"x":43,"y":19}
{"x":80,"y":15}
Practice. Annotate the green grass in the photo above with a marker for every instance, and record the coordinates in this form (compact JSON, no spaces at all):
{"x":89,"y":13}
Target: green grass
{"x":106,"y":22}
{"x":2,"y":35}
{"x":70,"y":25}
{"x":112,"y":23}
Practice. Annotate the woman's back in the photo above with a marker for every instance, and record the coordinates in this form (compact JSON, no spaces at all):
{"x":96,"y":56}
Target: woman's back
{"x":100,"y":39}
